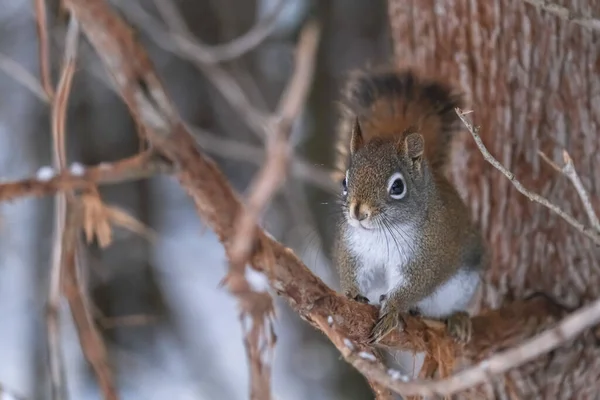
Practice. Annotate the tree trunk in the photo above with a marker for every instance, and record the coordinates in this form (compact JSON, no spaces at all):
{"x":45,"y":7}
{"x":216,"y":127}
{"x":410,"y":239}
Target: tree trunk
{"x":532,"y":81}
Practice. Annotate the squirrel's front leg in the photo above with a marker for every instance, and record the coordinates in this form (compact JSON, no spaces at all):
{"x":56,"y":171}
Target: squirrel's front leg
{"x":390,"y":314}
{"x":347,"y":267}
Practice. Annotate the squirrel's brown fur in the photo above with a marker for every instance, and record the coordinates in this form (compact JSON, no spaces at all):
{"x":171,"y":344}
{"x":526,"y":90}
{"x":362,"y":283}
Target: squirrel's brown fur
{"x":406,"y":234}
{"x":388,"y":101}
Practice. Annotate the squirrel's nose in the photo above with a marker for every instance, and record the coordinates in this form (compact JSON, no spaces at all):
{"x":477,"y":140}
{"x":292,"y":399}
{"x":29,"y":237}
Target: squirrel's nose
{"x":360,"y":211}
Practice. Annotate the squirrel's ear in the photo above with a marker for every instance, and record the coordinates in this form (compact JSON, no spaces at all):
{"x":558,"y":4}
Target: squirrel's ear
{"x":357,"y":140}
{"x":414,"y":146}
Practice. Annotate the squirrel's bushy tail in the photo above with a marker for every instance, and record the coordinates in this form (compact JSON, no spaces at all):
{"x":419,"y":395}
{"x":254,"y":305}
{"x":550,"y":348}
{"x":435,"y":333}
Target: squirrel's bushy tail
{"x":387,"y":101}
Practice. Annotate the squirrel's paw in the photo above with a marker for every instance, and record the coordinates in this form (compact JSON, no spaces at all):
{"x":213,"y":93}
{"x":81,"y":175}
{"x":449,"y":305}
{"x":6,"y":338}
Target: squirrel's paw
{"x":459,"y":326}
{"x":385,"y":324}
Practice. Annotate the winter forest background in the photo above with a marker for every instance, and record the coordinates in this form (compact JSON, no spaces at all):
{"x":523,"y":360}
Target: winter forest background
{"x":532,"y":76}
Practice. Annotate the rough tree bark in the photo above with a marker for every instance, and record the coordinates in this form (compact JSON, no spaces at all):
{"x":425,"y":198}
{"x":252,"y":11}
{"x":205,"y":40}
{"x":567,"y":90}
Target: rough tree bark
{"x":532,"y":81}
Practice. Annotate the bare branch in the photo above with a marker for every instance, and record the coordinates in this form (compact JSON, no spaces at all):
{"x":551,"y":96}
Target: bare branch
{"x":92,"y":344}
{"x":181,"y":43}
{"x":587,"y":21}
{"x":570,"y":172}
{"x":140,"y":166}
{"x":236,"y":47}
{"x":44,"y":51}
{"x":474,"y":130}
{"x":21,"y":75}
{"x":59,"y":110}
{"x":273,"y":172}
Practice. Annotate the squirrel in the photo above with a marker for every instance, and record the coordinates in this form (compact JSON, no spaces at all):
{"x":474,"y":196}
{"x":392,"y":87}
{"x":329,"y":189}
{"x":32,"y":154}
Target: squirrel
{"x":406,"y":236}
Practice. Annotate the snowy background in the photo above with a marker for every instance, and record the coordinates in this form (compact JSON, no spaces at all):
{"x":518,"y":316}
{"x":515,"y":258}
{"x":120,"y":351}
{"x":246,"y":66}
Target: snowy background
{"x":192,"y":349}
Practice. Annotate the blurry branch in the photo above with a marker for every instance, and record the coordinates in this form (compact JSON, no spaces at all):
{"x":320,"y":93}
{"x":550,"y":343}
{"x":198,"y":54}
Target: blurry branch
{"x":239,"y":151}
{"x":64,"y":274}
{"x":474,"y":130}
{"x":21,"y":75}
{"x":44,"y":48}
{"x":273,"y":172}
{"x":346,"y":323}
{"x":588,"y":21}
{"x":91,"y":341}
{"x":264,"y":186}
{"x":231,"y":50}
{"x":140,"y":166}
{"x":182,"y":43}
{"x":58,"y":116}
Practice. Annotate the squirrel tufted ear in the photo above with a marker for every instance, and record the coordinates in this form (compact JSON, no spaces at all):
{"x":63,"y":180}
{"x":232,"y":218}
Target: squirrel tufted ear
{"x":357,"y":140}
{"x":414,"y":146}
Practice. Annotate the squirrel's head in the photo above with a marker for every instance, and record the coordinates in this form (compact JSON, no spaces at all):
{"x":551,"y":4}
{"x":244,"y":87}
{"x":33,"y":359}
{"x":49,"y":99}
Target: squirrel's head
{"x":386,"y":182}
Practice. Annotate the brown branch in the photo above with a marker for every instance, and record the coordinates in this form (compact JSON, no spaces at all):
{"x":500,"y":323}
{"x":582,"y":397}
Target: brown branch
{"x":588,"y":21}
{"x":239,"y":151}
{"x":273,"y":173}
{"x":64,"y":272}
{"x":92,"y":344}
{"x":265,"y":185}
{"x":44,"y":51}
{"x":58,"y":116}
{"x":474,"y":130}
{"x":218,"y":205}
{"x":48,"y":181}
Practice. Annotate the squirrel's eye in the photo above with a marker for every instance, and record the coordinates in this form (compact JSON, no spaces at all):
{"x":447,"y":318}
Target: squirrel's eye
{"x":345,"y":185}
{"x":397,"y":186}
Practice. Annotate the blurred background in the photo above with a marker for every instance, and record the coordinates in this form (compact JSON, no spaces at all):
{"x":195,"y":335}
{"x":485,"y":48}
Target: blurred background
{"x":172,"y":332}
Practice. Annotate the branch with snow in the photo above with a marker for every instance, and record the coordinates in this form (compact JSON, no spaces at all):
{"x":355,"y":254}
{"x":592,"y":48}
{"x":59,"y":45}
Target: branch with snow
{"x":48,"y":180}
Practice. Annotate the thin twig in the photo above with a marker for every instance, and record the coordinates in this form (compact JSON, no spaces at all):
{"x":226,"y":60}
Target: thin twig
{"x":588,"y":21}
{"x":568,"y":169}
{"x":59,"y":110}
{"x":21,"y":75}
{"x":44,"y":51}
{"x":137,"y":167}
{"x":273,"y":173}
{"x":474,"y":130}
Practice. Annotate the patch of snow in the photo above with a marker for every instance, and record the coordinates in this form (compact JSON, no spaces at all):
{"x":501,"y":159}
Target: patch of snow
{"x":44,"y":174}
{"x":367,"y":356}
{"x":77,"y":169}
{"x":257,"y":280}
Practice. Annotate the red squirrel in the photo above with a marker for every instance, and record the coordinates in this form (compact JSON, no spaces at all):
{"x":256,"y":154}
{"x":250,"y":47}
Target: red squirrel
{"x":406,"y":238}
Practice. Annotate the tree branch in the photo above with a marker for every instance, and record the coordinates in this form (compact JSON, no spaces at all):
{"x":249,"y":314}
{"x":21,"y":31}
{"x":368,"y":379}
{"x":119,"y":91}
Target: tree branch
{"x":48,"y":181}
{"x":44,"y":51}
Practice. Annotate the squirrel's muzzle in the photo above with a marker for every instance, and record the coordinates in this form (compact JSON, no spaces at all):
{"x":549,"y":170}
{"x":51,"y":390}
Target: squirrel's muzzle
{"x":360,"y":211}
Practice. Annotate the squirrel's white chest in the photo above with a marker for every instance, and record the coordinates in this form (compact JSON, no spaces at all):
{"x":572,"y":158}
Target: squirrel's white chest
{"x":382,"y":258}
